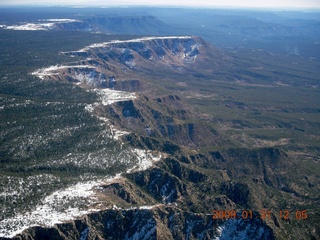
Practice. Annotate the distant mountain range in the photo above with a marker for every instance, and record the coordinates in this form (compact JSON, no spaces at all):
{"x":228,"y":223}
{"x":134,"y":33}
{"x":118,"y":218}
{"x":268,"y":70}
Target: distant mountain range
{"x":279,"y":32}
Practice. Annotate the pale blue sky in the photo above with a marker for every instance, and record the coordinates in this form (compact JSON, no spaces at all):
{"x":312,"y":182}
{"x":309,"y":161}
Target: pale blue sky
{"x":197,"y":3}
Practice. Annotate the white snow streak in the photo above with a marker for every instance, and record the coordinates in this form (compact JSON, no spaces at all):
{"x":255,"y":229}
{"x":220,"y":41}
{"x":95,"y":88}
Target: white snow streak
{"x":31,"y":27}
{"x":52,"y":209}
{"x":61,"y":20}
{"x":107,"y":97}
{"x":47,"y":25}
{"x":61,"y":206}
{"x":104,"y":44}
{"x":53,"y":70}
{"x":146,"y":159}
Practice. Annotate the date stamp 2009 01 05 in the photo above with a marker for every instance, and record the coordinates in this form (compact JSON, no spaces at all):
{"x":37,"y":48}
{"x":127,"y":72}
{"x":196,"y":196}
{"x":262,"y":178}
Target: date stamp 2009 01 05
{"x":262,"y":214}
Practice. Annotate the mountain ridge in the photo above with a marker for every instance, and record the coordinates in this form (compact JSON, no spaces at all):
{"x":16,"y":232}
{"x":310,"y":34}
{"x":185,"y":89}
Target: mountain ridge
{"x":137,"y":59}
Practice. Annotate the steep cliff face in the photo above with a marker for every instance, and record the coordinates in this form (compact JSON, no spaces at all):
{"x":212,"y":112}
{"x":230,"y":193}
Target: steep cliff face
{"x":157,"y":222}
{"x":161,"y":203}
{"x":166,"y":117}
{"x":134,"y":64}
{"x":167,"y":51}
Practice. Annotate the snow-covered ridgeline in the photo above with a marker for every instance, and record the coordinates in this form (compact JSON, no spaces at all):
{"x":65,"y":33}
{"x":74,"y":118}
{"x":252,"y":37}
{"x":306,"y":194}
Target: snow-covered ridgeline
{"x":45,"y":24}
{"x":72,"y":202}
{"x":54,"y":70}
{"x":104,"y":44}
{"x":106,"y":96}
{"x":83,"y":74}
{"x":60,"y":206}
{"x":60,"y":20}
{"x":31,"y":27}
{"x":145,"y":207}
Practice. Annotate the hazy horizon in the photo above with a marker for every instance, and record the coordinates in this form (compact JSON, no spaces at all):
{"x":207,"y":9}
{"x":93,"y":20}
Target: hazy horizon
{"x":274,"y":4}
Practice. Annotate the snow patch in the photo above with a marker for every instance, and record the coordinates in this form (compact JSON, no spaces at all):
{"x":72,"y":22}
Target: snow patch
{"x":130,"y":63}
{"x":146,"y":158}
{"x":117,"y":134}
{"x":148,"y":207}
{"x":54,"y":70}
{"x":110,"y":96}
{"x":239,"y":229}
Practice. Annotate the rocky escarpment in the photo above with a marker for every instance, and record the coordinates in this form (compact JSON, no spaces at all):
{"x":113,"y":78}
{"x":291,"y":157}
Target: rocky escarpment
{"x":156,"y":223}
{"x":153,"y":58}
{"x":166,"y":117}
{"x":159,"y":222}
{"x":175,"y":199}
{"x":164,"y":202}
{"x":165,"y":51}
{"x":132,"y":65}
